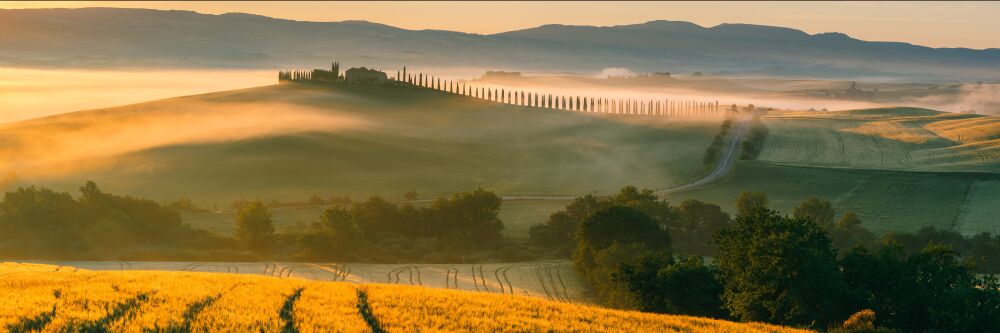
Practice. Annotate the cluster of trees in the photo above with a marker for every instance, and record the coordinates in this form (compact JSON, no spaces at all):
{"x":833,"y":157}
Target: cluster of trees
{"x":754,"y":141}
{"x":712,"y":153}
{"x":379,"y":230}
{"x":40,"y":223}
{"x":785,"y":270}
{"x":691,"y":224}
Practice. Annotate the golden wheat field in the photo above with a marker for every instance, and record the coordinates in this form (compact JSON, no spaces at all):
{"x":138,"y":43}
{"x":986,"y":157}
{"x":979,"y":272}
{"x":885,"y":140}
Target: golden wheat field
{"x":48,"y":298}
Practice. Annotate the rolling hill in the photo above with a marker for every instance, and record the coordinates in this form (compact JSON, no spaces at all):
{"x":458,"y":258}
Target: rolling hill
{"x":899,"y":169}
{"x":289,"y":141}
{"x":62,"y":298}
{"x":114,"y":37}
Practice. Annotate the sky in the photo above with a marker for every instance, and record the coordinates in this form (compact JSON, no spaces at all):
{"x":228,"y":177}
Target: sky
{"x":935,"y":24}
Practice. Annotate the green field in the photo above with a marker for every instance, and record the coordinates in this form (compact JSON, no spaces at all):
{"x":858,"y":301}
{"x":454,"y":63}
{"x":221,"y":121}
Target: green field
{"x":893,"y":138}
{"x":884,"y":199}
{"x":369,"y":140}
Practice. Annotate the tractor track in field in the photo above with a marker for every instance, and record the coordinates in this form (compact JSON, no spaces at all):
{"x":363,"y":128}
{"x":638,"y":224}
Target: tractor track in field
{"x":120,"y":310}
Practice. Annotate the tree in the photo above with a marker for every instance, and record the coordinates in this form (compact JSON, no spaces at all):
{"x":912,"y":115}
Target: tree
{"x":623,"y":225}
{"x":819,"y":211}
{"x":780,"y":270}
{"x":558,"y":232}
{"x":660,"y":284}
{"x":254,"y":228}
{"x":645,"y":201}
{"x":332,"y":236}
{"x":376,"y":216}
{"x":751,"y":203}
{"x":848,"y":233}
{"x":927,"y":291}
{"x":473,"y":214}
{"x":616,"y":224}
{"x":695,"y":225}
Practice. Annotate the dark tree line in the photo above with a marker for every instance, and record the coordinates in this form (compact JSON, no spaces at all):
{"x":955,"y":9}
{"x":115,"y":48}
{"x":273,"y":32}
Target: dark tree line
{"x":382,"y":231}
{"x":38,"y":223}
{"x":810,"y":269}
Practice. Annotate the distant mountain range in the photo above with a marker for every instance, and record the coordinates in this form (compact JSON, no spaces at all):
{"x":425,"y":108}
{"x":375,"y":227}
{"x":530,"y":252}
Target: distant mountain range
{"x":114,"y":37}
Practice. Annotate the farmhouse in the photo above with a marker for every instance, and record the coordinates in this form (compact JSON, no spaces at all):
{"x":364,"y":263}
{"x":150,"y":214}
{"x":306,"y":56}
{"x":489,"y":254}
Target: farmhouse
{"x":365,"y":75}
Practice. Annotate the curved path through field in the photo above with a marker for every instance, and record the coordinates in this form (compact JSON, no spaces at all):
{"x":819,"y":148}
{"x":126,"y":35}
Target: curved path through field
{"x":727,"y":157}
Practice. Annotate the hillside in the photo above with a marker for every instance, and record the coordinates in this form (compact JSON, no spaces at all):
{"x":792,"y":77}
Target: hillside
{"x":115,"y":37}
{"x":891,"y":138}
{"x":289,"y":141}
{"x":61,"y":298}
{"x":899,"y":169}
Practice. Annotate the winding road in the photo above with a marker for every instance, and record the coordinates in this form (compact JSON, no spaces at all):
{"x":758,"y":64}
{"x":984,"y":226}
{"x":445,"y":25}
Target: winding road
{"x":727,"y":157}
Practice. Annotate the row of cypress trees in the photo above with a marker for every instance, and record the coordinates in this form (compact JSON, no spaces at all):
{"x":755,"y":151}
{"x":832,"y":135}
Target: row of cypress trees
{"x":549,"y":101}
{"x":561,"y":102}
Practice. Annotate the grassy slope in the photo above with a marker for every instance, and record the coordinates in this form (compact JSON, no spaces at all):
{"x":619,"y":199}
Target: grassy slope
{"x":884,"y":199}
{"x":229,"y":302}
{"x":899,"y":168}
{"x":413,"y":140}
{"x":895,"y":138}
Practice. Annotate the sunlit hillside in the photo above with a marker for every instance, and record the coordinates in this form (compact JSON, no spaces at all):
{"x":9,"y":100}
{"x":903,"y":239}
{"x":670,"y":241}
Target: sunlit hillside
{"x":291,"y":140}
{"x":891,"y":138}
{"x":54,"y":299}
{"x":897,"y":168}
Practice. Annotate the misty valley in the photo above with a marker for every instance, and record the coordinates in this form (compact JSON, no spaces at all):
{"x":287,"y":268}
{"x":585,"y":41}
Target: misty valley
{"x":172,"y":168}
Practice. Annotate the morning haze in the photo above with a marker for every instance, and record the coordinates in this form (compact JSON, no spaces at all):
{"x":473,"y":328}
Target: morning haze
{"x":499,"y":166}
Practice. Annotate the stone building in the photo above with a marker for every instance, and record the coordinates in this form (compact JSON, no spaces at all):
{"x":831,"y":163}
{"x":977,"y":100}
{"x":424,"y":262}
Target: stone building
{"x":365,"y":75}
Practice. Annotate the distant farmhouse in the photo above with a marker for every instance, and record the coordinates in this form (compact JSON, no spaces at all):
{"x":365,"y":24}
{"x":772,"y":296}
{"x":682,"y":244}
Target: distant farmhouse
{"x":852,"y":92}
{"x":365,"y":75}
{"x":360,"y":75}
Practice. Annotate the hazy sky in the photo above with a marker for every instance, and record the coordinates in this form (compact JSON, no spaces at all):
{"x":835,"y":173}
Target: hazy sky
{"x":936,"y":24}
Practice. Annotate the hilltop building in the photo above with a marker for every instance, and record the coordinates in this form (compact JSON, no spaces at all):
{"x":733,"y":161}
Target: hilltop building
{"x":365,"y":75}
{"x":327,"y":75}
{"x":854,"y":92}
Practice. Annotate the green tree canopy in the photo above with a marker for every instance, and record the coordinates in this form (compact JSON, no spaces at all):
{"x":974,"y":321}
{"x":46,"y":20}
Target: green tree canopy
{"x":254,"y":227}
{"x":819,"y":211}
{"x":780,"y":270}
{"x":750,"y":203}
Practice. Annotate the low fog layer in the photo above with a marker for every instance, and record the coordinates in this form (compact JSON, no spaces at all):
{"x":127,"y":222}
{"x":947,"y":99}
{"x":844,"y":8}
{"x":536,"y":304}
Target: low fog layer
{"x":68,"y":143}
{"x":793,"y":94}
{"x":31,"y":93}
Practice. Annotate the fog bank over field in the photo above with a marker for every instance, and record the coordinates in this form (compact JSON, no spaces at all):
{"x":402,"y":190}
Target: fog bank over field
{"x":32,"y":93}
{"x":769,"y":92}
{"x":69,"y":143}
